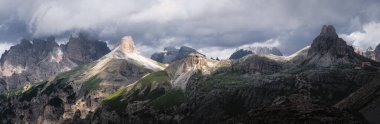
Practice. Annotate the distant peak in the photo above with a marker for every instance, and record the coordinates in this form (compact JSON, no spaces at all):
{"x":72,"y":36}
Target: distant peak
{"x":25,"y":41}
{"x":127,"y":45}
{"x":328,"y":30}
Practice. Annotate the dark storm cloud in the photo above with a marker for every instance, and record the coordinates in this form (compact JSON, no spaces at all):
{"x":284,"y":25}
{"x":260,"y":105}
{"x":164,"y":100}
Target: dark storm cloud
{"x":216,"y":24}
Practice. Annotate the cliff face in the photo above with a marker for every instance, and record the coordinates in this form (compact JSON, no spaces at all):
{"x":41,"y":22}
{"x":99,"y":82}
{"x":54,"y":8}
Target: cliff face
{"x":83,"y":49}
{"x":255,"y":64}
{"x":180,"y":71}
{"x":328,"y":49}
{"x":32,"y":62}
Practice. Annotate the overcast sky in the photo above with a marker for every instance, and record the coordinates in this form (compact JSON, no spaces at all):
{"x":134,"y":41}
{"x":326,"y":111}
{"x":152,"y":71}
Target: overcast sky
{"x":214,"y":27}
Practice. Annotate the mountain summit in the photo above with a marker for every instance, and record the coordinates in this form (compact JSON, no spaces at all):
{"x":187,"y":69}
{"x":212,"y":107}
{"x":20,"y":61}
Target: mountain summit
{"x":328,"y":49}
{"x":127,"y":45}
{"x":328,"y":30}
{"x":126,"y":50}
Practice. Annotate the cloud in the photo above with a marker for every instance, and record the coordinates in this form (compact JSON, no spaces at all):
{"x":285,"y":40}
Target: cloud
{"x":4,"y":46}
{"x":217,"y":52}
{"x":369,"y":36}
{"x":201,"y":24}
{"x":225,"y":53}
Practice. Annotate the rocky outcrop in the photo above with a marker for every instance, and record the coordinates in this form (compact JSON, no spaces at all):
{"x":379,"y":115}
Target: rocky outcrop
{"x":255,"y":50}
{"x":84,"y":49}
{"x":256,"y":64}
{"x":328,"y":49}
{"x":32,"y":62}
{"x":127,"y":45}
{"x":180,"y":71}
{"x":171,"y":54}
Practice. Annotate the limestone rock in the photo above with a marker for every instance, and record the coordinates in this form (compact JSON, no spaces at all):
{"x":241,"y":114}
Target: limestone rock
{"x":127,"y":45}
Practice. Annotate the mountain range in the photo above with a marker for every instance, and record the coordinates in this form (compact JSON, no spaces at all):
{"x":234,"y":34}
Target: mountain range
{"x":371,"y":53}
{"x":30,"y":62}
{"x":326,"y":82}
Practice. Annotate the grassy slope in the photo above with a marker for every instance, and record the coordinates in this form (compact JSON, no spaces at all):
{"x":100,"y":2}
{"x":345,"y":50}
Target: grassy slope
{"x":225,"y":79}
{"x":91,"y":84}
{"x":61,"y":79}
{"x":153,"y":88}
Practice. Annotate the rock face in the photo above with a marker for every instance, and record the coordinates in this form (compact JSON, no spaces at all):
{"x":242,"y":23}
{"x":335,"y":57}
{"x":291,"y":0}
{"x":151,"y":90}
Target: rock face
{"x":32,"y":62}
{"x":257,"y":64}
{"x":255,"y":50}
{"x":171,"y":54}
{"x":84,"y":49}
{"x":328,"y":49}
{"x":127,"y":45}
{"x":180,"y":71}
{"x":377,"y":53}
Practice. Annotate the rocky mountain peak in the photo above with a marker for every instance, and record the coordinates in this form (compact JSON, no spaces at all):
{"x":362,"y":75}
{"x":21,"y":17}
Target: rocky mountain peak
{"x":38,"y":59}
{"x":328,"y":30}
{"x":183,"y":69}
{"x":194,"y":61}
{"x":127,"y":45}
{"x":25,"y":42}
{"x":328,"y":49}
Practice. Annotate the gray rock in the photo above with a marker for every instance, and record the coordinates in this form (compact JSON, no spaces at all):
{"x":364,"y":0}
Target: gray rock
{"x":32,"y":62}
{"x":171,"y":54}
{"x":328,"y":49}
{"x":84,"y":49}
{"x":255,"y":50}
